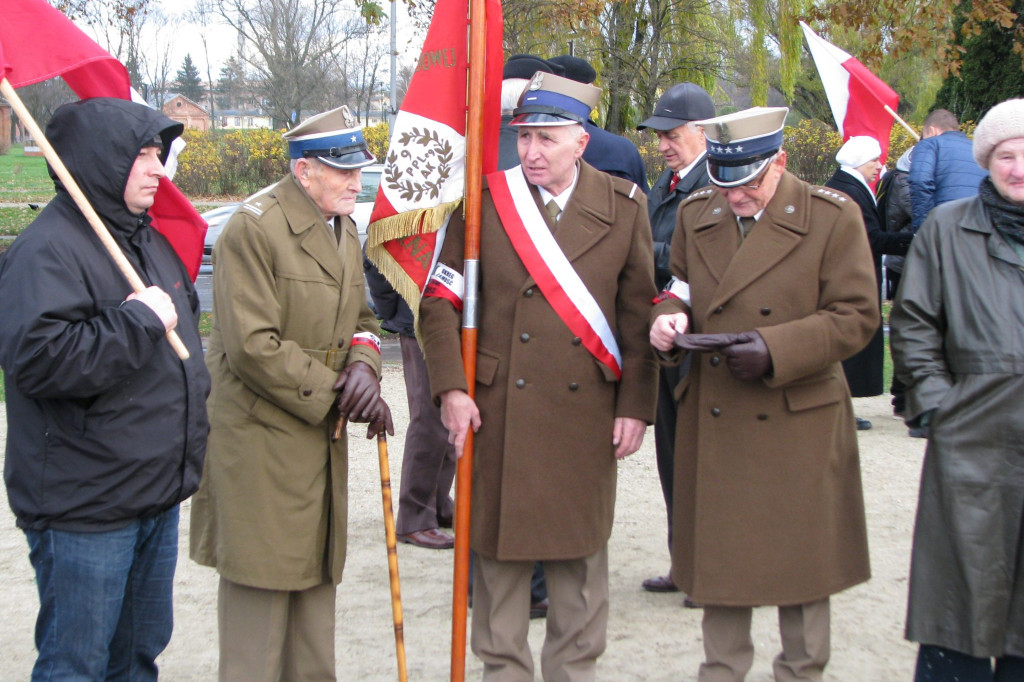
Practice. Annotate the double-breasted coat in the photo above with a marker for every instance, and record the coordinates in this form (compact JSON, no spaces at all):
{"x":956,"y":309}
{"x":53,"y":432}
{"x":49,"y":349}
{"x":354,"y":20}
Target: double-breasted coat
{"x":864,"y":370}
{"x":958,"y":345}
{"x":272,"y":507}
{"x":544,"y":467}
{"x":768,"y":506}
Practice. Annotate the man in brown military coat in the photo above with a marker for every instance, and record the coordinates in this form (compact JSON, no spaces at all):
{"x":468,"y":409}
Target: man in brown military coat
{"x":772,"y":287}
{"x":565,"y":381}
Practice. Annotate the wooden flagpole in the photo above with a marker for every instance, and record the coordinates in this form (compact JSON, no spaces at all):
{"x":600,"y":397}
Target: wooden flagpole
{"x":83,"y":204}
{"x":474,"y":187}
{"x":913,"y":133}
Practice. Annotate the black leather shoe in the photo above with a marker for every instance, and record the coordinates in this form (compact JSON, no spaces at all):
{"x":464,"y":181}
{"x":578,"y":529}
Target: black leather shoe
{"x":863,"y":424}
{"x":690,"y":604}
{"x":661,"y":583}
{"x":539,"y":609}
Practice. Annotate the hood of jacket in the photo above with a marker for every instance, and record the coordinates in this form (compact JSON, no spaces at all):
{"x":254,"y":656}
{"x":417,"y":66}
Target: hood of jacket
{"x":98,"y":140}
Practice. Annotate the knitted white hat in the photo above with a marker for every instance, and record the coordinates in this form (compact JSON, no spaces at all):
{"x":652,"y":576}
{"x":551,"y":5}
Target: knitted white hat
{"x":858,"y":150}
{"x":1004,"y":121}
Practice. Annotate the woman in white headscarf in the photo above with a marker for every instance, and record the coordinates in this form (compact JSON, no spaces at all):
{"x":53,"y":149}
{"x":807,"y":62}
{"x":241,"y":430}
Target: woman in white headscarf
{"x":859,"y":166}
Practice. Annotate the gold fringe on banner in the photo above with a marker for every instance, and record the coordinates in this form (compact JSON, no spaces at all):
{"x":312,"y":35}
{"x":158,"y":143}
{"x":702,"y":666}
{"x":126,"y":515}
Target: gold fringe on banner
{"x":401,"y":226}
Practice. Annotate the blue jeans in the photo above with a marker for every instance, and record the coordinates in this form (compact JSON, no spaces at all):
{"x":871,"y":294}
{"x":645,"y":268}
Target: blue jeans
{"x":104,"y":600}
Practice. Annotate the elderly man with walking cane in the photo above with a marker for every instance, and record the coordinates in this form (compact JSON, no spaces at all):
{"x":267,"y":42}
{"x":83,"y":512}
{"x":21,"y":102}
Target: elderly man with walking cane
{"x":294,"y":349}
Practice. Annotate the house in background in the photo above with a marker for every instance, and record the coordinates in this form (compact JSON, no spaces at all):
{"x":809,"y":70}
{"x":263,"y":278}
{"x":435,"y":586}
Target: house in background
{"x":247,"y":119}
{"x":183,"y":110}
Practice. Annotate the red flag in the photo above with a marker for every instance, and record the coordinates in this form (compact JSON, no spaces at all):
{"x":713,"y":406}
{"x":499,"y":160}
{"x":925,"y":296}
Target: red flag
{"x":37,"y":42}
{"x":857,"y":97}
{"x":424,"y":176}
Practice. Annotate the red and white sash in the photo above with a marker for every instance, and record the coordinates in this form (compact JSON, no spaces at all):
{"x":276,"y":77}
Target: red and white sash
{"x":547,"y":264}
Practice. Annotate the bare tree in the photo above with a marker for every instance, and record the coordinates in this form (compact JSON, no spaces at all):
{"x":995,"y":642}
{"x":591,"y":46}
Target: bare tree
{"x":293,"y":44}
{"x":119,"y":23}
{"x":159,"y":35}
{"x":361,"y":61}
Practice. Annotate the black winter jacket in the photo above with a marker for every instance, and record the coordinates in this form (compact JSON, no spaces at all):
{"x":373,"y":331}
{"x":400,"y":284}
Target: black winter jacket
{"x":105,"y":423}
{"x":662,"y":206}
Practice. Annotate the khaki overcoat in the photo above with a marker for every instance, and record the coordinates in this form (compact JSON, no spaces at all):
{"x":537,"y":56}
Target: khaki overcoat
{"x":544,"y":464}
{"x":768,"y":506}
{"x":272,"y":507}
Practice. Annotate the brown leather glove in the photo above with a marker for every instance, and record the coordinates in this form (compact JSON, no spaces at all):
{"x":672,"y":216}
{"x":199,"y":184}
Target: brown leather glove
{"x":378,"y":419}
{"x":748,"y":358}
{"x":705,"y":343}
{"x":358,"y":390}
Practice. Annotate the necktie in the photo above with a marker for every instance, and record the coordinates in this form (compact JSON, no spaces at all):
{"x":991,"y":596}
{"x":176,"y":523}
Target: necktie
{"x":337,"y":229}
{"x":745,"y":225}
{"x":673,"y":182}
{"x":552,"y":208}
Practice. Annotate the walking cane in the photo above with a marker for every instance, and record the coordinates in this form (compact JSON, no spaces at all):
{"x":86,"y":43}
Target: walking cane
{"x":390,"y":540}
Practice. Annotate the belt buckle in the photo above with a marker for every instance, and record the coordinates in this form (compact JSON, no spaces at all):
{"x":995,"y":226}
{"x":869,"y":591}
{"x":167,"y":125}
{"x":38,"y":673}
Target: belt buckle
{"x":331,"y":357}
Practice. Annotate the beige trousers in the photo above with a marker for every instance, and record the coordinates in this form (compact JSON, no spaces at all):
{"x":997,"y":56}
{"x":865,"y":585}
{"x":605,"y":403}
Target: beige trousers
{"x":577,"y":618}
{"x":275,"y":636}
{"x":805,"y":631}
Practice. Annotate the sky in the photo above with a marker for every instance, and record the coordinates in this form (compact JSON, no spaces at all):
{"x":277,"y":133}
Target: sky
{"x":222,"y":40}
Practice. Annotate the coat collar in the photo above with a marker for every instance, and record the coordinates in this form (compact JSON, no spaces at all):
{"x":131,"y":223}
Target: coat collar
{"x":589,"y":213}
{"x":975,"y":219}
{"x":780,"y":229}
{"x":303,"y":216}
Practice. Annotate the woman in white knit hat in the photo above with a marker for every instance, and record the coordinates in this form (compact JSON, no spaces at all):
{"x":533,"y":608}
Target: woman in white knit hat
{"x":958,"y":345}
{"x":858,"y":167}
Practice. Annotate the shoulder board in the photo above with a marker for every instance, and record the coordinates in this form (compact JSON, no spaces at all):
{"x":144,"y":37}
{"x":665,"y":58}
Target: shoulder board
{"x":258,"y":203}
{"x":628,"y":189}
{"x":699,"y":194}
{"x":829,"y":195}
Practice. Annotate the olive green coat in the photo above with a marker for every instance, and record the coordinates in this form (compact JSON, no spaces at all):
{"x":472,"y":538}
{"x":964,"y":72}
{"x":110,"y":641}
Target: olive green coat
{"x":272,"y":507}
{"x":544,"y":467}
{"x":768,"y":507}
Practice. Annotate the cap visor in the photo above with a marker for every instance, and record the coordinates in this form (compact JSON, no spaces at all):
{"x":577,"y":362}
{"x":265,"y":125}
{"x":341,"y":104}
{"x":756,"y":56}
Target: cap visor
{"x":732,"y":176}
{"x":537,"y":119}
{"x":348,"y":161}
{"x":663,"y":123}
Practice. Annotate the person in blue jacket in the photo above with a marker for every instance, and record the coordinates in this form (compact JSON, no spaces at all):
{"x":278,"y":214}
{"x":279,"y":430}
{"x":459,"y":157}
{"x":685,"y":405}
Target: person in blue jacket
{"x":942,"y":166}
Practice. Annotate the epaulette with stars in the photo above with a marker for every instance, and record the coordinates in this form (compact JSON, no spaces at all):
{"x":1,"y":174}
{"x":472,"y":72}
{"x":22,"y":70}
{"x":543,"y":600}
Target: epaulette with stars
{"x":830,"y":194}
{"x":699,"y":194}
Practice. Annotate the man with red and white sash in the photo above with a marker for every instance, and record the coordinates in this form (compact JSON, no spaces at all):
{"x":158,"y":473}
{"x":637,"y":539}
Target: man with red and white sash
{"x":565,"y":384}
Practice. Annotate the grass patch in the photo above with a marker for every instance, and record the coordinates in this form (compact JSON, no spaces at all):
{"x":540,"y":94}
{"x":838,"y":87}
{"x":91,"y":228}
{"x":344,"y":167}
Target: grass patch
{"x":24,"y":178}
{"x":14,"y":219}
{"x":205,"y":324}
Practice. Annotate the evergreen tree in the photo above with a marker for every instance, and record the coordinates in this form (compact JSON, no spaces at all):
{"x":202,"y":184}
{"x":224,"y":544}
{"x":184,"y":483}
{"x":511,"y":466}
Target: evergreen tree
{"x":188,"y":82}
{"x":991,"y":70}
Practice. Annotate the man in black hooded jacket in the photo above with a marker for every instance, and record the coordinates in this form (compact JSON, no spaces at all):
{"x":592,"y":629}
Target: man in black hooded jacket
{"x":106,"y":426}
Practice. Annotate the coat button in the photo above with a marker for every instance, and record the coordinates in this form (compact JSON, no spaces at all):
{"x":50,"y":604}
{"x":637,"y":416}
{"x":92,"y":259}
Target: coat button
{"x":715,"y":412}
{"x":576,"y":340}
{"x":524,"y":337}
{"x":574,"y":386}
{"x":766,"y":311}
{"x":719,"y":309}
{"x":341,"y":343}
{"x":308,"y":392}
{"x":762,"y":417}
{"x":520,"y":383}
{"x":528,"y":293}
{"x":715,"y":360}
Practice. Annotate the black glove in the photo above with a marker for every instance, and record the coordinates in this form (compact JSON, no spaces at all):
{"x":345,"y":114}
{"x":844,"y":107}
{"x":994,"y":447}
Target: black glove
{"x":359,"y":388}
{"x":378,"y":418}
{"x":705,"y":343}
{"x":748,"y":358}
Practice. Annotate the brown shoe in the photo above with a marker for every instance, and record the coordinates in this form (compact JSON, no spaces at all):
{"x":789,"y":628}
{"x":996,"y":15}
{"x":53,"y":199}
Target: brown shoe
{"x":539,"y":609}
{"x":661,"y":583}
{"x":431,"y":538}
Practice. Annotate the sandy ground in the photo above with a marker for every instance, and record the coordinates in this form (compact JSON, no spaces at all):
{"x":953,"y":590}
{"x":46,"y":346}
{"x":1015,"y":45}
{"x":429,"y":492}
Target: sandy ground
{"x":650,"y":637}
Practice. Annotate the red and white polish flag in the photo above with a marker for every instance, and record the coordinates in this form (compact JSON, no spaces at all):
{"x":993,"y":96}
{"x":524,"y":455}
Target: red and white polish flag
{"x":857,"y":97}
